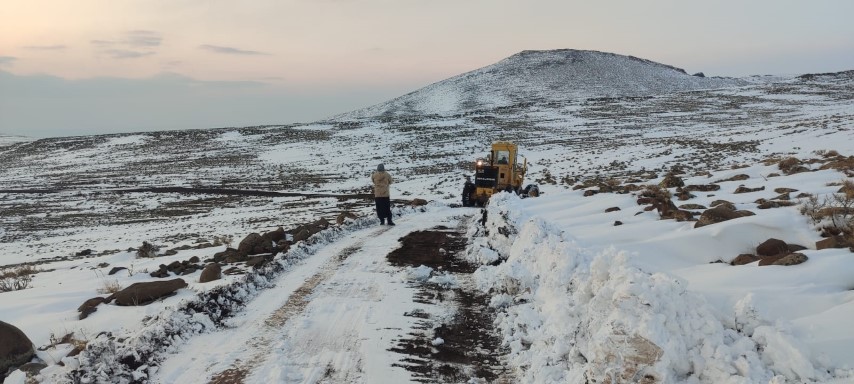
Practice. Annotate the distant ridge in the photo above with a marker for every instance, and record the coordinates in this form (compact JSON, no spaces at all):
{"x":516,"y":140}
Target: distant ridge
{"x":555,"y":75}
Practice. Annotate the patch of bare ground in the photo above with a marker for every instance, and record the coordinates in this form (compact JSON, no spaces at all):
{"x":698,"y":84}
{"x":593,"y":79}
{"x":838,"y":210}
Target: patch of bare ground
{"x":469,"y":347}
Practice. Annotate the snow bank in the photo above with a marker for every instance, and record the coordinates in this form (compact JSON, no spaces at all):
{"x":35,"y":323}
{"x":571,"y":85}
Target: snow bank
{"x":576,"y":314}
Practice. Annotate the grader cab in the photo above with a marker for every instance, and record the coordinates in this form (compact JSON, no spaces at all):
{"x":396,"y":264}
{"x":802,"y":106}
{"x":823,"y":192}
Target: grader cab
{"x":501,"y":170}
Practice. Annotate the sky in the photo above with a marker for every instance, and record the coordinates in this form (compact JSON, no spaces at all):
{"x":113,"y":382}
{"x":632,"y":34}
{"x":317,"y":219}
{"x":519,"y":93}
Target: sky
{"x":103,"y":66}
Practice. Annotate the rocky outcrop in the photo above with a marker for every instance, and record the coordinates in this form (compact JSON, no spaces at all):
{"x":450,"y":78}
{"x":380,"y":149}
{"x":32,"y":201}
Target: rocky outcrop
{"x":16,"y":348}
{"x":144,"y":293}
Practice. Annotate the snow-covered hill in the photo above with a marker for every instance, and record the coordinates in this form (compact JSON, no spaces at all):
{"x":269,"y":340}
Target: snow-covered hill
{"x":540,"y":77}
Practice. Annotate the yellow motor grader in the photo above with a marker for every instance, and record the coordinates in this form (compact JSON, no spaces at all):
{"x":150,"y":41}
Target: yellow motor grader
{"x":501,"y":170}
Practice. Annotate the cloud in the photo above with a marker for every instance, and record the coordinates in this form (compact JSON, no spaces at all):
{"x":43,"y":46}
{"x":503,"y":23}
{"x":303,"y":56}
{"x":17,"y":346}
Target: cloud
{"x":57,"y":47}
{"x":230,"y":50}
{"x":7,"y":60}
{"x":141,"y":38}
{"x":133,"y":45}
{"x":125,"y":54}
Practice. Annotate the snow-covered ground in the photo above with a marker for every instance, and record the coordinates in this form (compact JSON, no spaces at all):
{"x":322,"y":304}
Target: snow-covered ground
{"x":577,"y":297}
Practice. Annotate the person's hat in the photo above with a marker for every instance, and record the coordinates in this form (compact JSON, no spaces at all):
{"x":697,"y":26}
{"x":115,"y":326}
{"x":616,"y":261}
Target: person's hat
{"x":381,"y":167}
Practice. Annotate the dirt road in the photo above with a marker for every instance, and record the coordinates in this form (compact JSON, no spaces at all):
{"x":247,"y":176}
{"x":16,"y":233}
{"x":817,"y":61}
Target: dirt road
{"x":382,"y":305}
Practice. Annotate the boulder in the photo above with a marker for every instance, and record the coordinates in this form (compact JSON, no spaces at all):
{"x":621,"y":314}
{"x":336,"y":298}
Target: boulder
{"x":720,"y":214}
{"x":738,"y":177}
{"x":683,"y":194}
{"x":344,"y":216}
{"x":612,"y":209}
{"x":618,"y":222}
{"x":691,"y":206}
{"x":211,"y":272}
{"x":248,"y":244}
{"x":590,"y":192}
{"x":744,"y":258}
{"x":85,"y":252}
{"x":16,"y":348}
{"x":144,"y":293}
{"x":624,"y":359}
{"x":116,"y":270}
{"x":782,"y":196}
{"x":772,"y":247}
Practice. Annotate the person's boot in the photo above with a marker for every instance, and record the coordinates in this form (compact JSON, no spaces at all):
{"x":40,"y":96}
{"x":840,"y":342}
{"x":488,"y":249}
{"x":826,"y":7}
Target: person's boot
{"x":390,"y":222}
{"x":382,"y":221}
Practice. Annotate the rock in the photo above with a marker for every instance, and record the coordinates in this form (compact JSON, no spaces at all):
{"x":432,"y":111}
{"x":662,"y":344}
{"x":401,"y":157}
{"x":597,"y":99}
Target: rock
{"x":256,"y":261}
{"x":616,"y":223}
{"x":744,"y":258}
{"x":691,"y":206}
{"x":729,"y":205}
{"x":612,"y":209}
{"x":782,"y":196}
{"x":85,"y":252}
{"x":831,"y":242}
{"x":344,"y":216}
{"x":784,"y":190}
{"x":772,"y":247}
{"x":194,"y":259}
{"x":116,"y":270}
{"x":720,"y":214}
{"x":144,"y":293}
{"x":699,"y":74}
{"x":16,"y":348}
{"x":301,"y":235}
{"x":743,"y":189}
{"x":90,"y":306}
{"x":590,"y":192}
{"x":645,"y":200}
{"x":418,"y":202}
{"x":160,"y":273}
{"x":738,"y":177}
{"x":276,"y":236}
{"x":251,"y":244}
{"x":32,"y":369}
{"x":795,"y":248}
{"x":222,"y":256}
{"x":703,"y":188}
{"x":211,"y":272}
{"x":784,"y":259}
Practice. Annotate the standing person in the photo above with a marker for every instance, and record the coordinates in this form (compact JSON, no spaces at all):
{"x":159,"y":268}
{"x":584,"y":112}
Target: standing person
{"x":382,"y":180}
{"x":468,"y":188}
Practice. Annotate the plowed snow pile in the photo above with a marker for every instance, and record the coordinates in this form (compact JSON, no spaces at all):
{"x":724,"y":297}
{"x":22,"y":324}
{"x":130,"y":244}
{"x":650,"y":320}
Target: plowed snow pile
{"x":590,"y":309}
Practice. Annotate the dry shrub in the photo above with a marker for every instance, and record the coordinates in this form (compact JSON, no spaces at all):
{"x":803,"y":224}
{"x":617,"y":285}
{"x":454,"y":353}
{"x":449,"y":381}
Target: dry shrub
{"x":16,"y":279}
{"x":830,"y":153}
{"x":847,"y":188}
{"x":656,"y":192}
{"x":109,"y":287}
{"x":834,"y":214}
{"x":842,"y":164}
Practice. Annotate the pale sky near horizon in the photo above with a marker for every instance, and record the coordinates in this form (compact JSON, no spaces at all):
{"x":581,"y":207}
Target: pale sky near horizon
{"x":102,"y":66}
